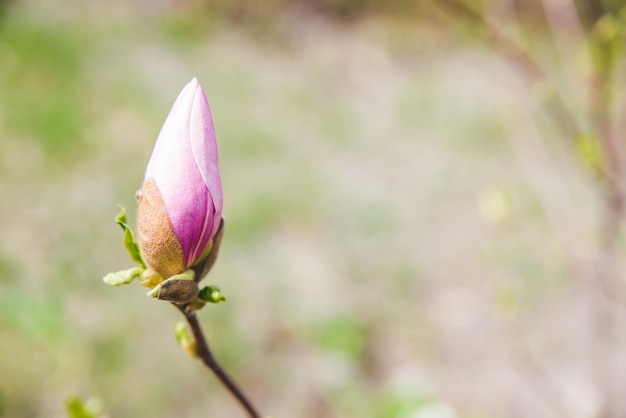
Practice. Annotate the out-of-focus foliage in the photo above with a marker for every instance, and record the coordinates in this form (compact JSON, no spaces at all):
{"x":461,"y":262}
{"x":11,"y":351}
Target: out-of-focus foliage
{"x":76,"y":408}
{"x":40,"y":75}
{"x":408,"y":234}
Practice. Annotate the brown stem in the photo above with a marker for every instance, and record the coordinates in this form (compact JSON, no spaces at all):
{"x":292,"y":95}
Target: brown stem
{"x":205,"y":354}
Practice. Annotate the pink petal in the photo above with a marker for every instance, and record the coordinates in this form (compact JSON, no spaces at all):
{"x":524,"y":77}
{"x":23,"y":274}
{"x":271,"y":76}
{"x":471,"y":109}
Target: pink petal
{"x":180,"y":171}
{"x":204,"y":149}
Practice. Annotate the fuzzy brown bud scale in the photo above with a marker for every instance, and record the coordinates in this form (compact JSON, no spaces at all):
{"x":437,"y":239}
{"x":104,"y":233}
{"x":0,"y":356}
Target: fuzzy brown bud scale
{"x":159,"y":245}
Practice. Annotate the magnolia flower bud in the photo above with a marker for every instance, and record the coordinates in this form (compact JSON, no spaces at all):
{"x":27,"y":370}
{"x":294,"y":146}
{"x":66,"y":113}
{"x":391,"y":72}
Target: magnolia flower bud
{"x":180,"y":202}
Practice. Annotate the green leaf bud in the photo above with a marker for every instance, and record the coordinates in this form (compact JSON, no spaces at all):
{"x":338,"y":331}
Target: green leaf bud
{"x":211,"y":294}
{"x":129,"y":238}
{"x":185,"y":339}
{"x":119,"y":278}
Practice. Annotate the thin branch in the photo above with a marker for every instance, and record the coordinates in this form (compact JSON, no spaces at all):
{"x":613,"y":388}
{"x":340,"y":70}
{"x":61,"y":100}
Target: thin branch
{"x":601,"y":113}
{"x":607,"y":332}
{"x":205,"y":354}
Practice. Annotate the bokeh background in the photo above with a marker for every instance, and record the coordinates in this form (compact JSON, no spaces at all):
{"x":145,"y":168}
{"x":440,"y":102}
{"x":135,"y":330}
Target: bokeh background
{"x":422,"y":205}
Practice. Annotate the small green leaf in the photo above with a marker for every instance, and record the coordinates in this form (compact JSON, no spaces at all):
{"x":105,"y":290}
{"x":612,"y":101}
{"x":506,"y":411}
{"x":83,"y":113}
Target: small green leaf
{"x":211,"y":294}
{"x":129,"y":238}
{"x":154,"y":292}
{"x":76,"y":408}
{"x":589,"y":152}
{"x":182,"y":333}
{"x":119,"y":278}
{"x":606,"y":29}
{"x":185,"y":275}
{"x":185,"y":339}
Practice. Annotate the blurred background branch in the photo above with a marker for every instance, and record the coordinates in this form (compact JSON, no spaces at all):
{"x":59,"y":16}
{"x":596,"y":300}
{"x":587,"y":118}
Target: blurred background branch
{"x":603,"y":26}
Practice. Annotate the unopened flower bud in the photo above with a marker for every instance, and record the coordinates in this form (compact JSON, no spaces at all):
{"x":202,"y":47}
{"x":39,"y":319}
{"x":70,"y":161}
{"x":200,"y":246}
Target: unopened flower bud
{"x":180,"y":202}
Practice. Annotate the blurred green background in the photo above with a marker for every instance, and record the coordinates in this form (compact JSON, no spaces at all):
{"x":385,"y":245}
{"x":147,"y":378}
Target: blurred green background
{"x":407,"y":234}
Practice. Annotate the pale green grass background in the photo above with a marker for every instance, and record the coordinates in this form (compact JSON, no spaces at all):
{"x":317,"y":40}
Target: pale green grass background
{"x":403,"y":238}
